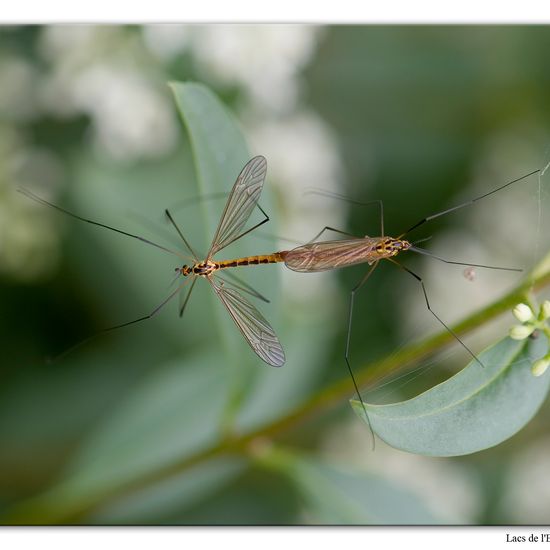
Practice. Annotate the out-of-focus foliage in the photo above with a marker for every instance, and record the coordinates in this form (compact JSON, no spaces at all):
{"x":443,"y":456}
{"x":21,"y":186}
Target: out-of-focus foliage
{"x":421,"y":117}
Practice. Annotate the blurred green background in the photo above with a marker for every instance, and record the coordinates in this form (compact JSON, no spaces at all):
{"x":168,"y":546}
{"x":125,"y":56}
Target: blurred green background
{"x":421,"y":117}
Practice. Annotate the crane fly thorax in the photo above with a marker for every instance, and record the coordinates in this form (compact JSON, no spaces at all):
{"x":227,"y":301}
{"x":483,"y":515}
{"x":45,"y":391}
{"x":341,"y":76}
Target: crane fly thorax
{"x":201,"y":268}
{"x":388,"y":247}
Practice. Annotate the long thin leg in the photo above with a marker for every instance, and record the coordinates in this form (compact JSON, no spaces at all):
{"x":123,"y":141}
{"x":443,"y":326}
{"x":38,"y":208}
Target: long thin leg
{"x":245,"y":287}
{"x":328,"y":228}
{"x":109,"y":329}
{"x":168,"y":235}
{"x":252,"y":228}
{"x":36,"y":198}
{"x":189,"y":247}
{"x":184,"y":304}
{"x":348,"y":343}
{"x":324,"y":193}
{"x":154,"y":227}
{"x":468,"y":203}
{"x":145,"y":317}
{"x":450,"y":330}
{"x":196,"y":199}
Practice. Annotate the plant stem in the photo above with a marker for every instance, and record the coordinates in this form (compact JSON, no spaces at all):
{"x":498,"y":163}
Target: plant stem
{"x":51,"y":507}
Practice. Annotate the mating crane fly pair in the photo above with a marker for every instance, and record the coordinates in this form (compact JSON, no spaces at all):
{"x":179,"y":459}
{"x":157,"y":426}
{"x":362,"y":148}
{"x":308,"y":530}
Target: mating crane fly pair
{"x":312,"y":257}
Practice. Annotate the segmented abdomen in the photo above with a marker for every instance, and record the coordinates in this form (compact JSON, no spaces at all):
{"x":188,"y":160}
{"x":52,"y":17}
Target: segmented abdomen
{"x":250,"y":260}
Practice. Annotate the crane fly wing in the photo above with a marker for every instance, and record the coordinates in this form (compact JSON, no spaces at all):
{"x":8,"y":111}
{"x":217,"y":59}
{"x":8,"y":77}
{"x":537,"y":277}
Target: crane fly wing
{"x":321,"y":256}
{"x":241,"y":202}
{"x":254,"y":327}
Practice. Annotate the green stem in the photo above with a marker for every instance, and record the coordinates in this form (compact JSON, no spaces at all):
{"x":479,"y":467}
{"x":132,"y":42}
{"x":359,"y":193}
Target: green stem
{"x":52,"y":507}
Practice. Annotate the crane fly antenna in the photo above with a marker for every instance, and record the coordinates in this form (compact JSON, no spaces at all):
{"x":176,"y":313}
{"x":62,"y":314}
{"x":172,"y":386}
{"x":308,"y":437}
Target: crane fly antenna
{"x":426,"y":253}
{"x":40,"y":200}
{"x":468,"y":203}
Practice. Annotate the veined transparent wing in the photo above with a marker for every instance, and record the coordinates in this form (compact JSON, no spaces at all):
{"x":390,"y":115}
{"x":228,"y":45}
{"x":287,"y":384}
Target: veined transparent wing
{"x":321,"y":256}
{"x":241,"y":202}
{"x":254,"y":327}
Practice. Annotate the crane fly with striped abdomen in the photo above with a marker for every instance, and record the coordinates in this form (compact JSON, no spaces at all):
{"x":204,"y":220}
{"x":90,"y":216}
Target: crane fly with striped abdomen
{"x":242,"y":200}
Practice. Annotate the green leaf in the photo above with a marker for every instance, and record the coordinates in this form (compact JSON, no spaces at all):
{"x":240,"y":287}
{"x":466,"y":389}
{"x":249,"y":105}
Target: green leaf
{"x":218,"y":144}
{"x":342,"y":496}
{"x":471,"y":411}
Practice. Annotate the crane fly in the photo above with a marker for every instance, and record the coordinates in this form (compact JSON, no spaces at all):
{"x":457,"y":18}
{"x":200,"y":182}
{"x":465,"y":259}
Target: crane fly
{"x":242,"y":200}
{"x":317,"y":256}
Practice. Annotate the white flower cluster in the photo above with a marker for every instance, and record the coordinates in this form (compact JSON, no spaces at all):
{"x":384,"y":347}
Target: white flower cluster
{"x":530,"y":323}
{"x":95,"y":70}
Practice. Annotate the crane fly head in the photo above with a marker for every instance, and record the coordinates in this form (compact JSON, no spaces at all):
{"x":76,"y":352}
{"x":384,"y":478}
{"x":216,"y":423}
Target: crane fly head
{"x":184,"y":270}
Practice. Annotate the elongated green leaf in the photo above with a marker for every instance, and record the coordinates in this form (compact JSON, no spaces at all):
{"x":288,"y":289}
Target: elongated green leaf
{"x":342,"y":496}
{"x":218,"y":145}
{"x":220,"y":153}
{"x":475,"y":409}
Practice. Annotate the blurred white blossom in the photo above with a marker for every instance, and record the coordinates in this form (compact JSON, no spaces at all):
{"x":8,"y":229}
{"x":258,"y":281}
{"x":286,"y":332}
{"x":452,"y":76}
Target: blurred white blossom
{"x":74,"y":45}
{"x":130,"y":118}
{"x":167,"y":41}
{"x":264,"y":59}
{"x":303,"y":156}
{"x":18,"y":90}
{"x":95,"y":73}
{"x":98,"y":71}
{"x":29,"y":239}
